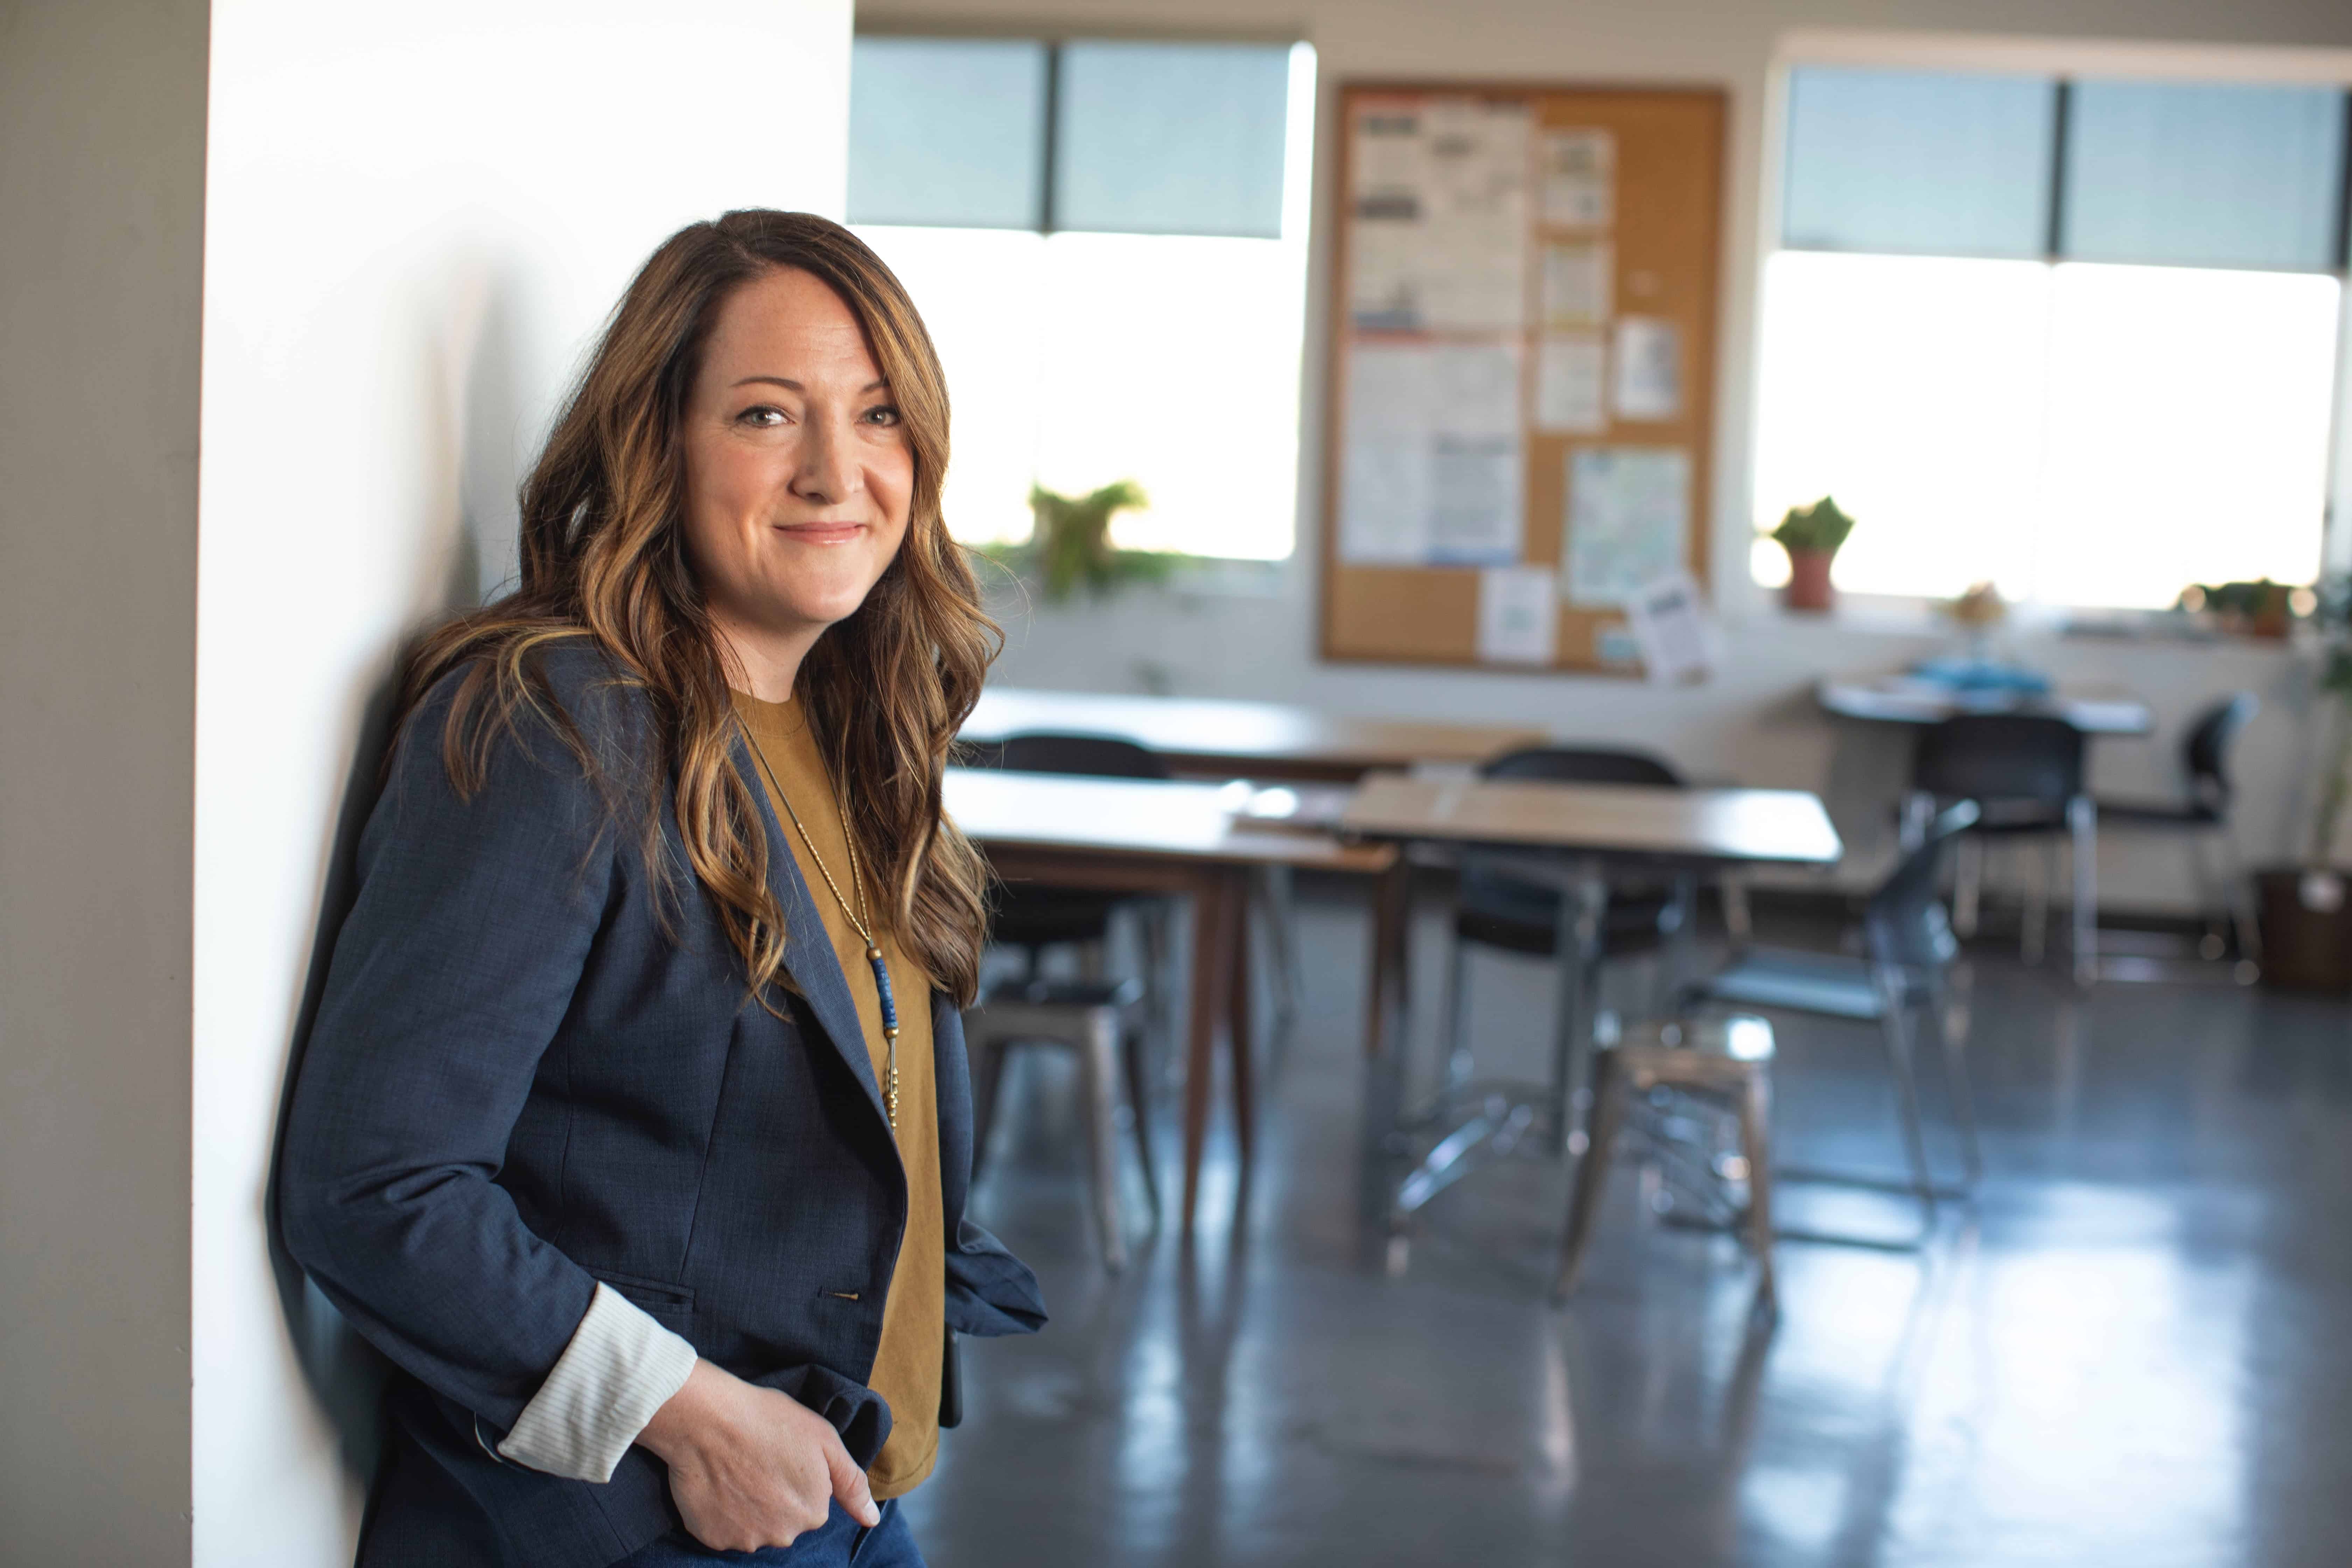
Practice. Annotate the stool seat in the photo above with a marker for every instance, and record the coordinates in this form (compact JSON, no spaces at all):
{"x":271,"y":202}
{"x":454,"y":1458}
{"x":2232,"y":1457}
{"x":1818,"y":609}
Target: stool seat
{"x":1726,"y":1057}
{"x":1825,"y":983}
{"x":1097,"y":1019}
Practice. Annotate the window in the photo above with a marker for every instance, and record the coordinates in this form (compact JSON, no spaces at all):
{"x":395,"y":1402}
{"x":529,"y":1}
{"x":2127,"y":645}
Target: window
{"x":1108,"y":241}
{"x":2079,"y":338}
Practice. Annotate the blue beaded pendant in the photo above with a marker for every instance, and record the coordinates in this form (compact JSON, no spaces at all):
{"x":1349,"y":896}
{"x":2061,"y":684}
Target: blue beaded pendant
{"x":882,"y":985}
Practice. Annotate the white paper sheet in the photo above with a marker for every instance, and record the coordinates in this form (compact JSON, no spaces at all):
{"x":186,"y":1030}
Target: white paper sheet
{"x":1668,"y":617}
{"x":1384,"y":480}
{"x":1477,"y":507}
{"x":1628,"y":521}
{"x":1572,"y":384}
{"x":1473,"y":257}
{"x":1580,"y":171}
{"x":1474,"y":390}
{"x":1437,"y":237}
{"x":1477,"y":501}
{"x":1518,"y":622}
{"x":1578,"y":282}
{"x":1649,"y":379}
{"x":1431,"y":458}
{"x":1389,"y":175}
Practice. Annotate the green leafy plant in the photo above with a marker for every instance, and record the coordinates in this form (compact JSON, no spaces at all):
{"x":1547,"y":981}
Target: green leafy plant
{"x":1071,"y":548}
{"x":1820,"y":527}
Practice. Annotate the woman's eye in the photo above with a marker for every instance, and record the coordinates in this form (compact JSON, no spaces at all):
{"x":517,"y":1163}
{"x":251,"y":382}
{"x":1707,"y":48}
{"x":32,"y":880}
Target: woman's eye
{"x":884,"y":416}
{"x":764,"y":416}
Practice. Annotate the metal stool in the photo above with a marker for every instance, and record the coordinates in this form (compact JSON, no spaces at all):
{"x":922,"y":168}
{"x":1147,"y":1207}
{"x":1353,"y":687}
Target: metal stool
{"x":1726,"y":1058}
{"x":1100,"y":1022}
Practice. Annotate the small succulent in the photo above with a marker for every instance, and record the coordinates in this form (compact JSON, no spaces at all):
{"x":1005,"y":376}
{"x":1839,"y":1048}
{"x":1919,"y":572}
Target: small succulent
{"x":1820,"y":527}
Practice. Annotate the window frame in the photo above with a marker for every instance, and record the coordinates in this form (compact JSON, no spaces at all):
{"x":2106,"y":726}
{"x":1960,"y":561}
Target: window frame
{"x":2064,"y":60}
{"x":1054,"y":40}
{"x":1215,"y":575}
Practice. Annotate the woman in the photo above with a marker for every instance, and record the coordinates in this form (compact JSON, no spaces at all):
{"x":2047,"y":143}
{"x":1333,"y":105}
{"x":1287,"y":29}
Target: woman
{"x":623,"y":1130}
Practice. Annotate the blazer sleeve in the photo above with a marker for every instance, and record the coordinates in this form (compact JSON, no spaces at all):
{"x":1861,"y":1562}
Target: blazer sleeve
{"x":450,"y":976}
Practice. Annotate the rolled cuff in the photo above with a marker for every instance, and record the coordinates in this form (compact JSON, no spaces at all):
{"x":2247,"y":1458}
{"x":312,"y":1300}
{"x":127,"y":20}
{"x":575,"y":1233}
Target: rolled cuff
{"x":620,"y":1367}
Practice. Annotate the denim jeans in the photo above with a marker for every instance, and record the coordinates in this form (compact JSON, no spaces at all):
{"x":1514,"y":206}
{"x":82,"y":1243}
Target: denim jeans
{"x":839,"y":1542}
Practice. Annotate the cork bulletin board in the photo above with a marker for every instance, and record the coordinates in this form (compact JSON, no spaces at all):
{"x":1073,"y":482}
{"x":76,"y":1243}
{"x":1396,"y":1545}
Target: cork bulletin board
{"x":1522,"y":369}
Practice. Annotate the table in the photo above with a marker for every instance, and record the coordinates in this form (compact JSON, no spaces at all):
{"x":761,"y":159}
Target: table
{"x":1570,"y":836}
{"x":1902,"y":699}
{"x":1254,"y":740}
{"x":1155,"y":836}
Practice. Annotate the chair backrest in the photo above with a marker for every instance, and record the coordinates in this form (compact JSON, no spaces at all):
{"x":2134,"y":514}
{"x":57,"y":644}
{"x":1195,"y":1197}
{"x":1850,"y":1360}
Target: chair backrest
{"x":1904,"y":922}
{"x":2205,"y":751}
{"x":2019,"y":757}
{"x":1097,"y":756}
{"x":1582,"y":764}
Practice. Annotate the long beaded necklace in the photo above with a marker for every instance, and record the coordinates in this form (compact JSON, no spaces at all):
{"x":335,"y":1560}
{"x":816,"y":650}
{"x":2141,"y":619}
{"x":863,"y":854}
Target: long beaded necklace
{"x":859,"y":917}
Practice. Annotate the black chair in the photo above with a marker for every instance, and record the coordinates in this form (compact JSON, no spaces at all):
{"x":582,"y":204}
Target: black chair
{"x":1091,"y":1014}
{"x":2201,"y":820}
{"x":2024,"y":771}
{"x":1907,"y":942}
{"x":1499,"y":911}
{"x":1029,"y":916}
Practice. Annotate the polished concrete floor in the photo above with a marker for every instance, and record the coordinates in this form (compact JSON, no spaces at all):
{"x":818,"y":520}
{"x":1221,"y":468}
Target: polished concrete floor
{"x":2135,"y":1348}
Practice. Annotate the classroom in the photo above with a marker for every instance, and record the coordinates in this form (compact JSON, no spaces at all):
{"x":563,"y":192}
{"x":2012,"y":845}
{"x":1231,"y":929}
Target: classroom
{"x":1178,"y":784}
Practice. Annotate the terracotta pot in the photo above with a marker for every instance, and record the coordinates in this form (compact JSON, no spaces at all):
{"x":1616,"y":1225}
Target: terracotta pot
{"x":2306,"y":928}
{"x":1808,"y":580}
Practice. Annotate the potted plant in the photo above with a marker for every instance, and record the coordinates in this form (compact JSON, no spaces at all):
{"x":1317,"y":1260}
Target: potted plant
{"x":1071,"y":547}
{"x":1811,"y":534}
{"x":2306,"y":918}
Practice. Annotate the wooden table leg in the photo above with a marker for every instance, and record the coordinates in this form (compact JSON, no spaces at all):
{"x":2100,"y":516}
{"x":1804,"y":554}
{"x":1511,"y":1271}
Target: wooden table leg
{"x":1212,"y":972}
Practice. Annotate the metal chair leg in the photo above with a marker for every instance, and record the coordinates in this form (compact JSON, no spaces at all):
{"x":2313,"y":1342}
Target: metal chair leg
{"x":2035,"y":938}
{"x":1955,"y":1083}
{"x":2241,"y":898}
{"x":1099,"y":1086}
{"x":2082,"y":834}
{"x":1738,"y":924}
{"x":1133,"y":1048}
{"x":2214,"y":902}
{"x":1968,"y":885}
{"x":1277,"y":898}
{"x":1755,"y":1148}
{"x":1610,"y":1093}
{"x":1911,"y":826}
{"x":1907,"y":1103}
{"x":1454,"y":1051}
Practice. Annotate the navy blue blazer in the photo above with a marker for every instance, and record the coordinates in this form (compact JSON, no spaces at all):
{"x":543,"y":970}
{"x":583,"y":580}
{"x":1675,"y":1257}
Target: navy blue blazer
{"x":535,"y":1066}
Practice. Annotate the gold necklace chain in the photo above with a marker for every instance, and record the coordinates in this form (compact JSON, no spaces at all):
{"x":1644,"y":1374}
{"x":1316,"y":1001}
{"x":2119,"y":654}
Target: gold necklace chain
{"x":859,"y":917}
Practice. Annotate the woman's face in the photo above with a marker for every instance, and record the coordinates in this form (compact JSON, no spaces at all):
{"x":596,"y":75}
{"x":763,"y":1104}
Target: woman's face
{"x":798,"y":473}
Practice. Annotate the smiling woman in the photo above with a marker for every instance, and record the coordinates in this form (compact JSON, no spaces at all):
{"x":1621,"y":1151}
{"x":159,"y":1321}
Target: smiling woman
{"x":797,"y":485}
{"x":654,"y":1193}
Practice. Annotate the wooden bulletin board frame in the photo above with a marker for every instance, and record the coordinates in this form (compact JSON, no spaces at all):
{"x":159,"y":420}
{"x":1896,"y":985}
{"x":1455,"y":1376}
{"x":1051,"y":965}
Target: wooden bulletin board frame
{"x":1667,"y":232}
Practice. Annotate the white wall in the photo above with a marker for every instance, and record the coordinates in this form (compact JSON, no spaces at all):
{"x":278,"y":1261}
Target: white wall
{"x":418,"y":216}
{"x":1754,"y":721}
{"x":102,"y":171}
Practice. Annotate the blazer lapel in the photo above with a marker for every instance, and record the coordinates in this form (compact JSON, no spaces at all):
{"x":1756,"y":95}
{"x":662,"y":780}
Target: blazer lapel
{"x":809,"y":957}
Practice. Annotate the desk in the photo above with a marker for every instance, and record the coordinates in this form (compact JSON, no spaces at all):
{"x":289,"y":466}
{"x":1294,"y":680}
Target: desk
{"x":1570,"y":836}
{"x":1150,"y":837}
{"x":1244,"y":739}
{"x":1898,"y":700}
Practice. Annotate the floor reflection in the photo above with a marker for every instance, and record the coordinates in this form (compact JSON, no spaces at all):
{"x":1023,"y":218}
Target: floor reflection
{"x":2128,"y":1351}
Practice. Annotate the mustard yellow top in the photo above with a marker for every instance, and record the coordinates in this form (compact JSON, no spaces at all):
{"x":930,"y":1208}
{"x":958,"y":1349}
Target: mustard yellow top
{"x":909,"y":1363}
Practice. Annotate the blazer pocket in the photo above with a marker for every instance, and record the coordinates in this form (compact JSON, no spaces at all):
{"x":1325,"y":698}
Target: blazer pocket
{"x":658,"y":1296}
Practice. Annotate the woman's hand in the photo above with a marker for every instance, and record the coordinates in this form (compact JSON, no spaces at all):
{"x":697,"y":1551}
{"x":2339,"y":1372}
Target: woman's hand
{"x":752,"y":1467}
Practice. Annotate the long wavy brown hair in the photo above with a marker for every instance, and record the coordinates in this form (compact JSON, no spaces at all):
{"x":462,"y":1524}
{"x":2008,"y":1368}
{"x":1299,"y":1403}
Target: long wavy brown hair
{"x":605,"y":559}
